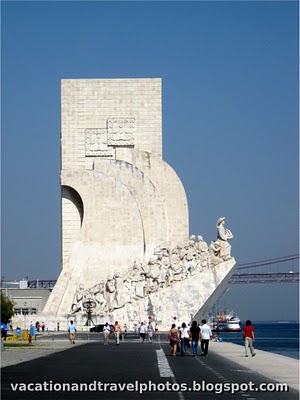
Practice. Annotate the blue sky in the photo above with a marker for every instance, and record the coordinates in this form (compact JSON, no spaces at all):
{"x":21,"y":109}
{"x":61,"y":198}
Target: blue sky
{"x":230,"y":121}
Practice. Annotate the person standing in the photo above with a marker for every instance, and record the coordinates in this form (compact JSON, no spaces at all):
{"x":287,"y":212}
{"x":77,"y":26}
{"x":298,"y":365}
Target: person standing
{"x":248,"y":336}
{"x":206,"y":334}
{"x":31,"y":332}
{"x":195,"y":336}
{"x":106,"y":333}
{"x":150,"y":332}
{"x":142,"y":332}
{"x":184,"y":338}
{"x":117,"y":332}
{"x":72,"y":331}
{"x":174,"y":339}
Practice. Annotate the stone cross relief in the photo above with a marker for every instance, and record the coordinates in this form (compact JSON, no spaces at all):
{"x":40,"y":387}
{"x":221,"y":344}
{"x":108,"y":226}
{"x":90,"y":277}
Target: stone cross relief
{"x":101,"y":142}
{"x":164,"y":269}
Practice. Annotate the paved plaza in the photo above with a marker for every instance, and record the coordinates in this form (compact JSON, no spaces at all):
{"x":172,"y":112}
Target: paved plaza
{"x":134,"y":370}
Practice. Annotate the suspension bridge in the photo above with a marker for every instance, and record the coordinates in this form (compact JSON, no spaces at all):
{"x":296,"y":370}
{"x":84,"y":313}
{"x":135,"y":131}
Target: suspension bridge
{"x":258,"y":274}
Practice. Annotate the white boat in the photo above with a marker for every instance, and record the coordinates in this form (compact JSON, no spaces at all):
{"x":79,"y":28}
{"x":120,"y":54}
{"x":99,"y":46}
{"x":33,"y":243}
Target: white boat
{"x":233,"y":325}
{"x":225,"y":321}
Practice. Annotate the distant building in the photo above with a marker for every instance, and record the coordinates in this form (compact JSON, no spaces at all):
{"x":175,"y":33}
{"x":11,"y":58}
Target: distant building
{"x":29,"y":297}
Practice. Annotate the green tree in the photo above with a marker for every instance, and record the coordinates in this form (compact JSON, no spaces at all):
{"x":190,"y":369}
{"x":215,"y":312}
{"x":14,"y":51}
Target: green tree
{"x":7,"y":309}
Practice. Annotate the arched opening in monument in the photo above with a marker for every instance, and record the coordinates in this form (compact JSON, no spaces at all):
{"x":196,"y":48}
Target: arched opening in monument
{"x":71,"y":218}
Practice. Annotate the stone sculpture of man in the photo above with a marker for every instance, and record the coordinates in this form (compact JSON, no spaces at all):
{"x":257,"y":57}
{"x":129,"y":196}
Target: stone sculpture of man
{"x":110,"y":292}
{"x":138,"y":280}
{"x":120,"y":289}
{"x":221,"y":248}
{"x":79,"y":298}
{"x":203,"y":252}
{"x":98,"y":295}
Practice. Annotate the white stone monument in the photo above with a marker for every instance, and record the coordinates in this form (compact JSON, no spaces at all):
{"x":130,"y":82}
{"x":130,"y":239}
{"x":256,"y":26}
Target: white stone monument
{"x":125,"y":234}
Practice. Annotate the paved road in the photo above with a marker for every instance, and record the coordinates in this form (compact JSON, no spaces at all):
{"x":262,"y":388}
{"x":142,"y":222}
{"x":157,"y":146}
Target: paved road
{"x":130,"y":362}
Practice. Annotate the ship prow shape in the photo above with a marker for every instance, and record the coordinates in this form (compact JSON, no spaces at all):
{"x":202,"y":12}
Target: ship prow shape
{"x":126,"y":251}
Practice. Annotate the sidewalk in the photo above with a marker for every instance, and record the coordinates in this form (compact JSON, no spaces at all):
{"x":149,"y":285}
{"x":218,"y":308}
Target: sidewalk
{"x":16,"y":355}
{"x":274,"y":366}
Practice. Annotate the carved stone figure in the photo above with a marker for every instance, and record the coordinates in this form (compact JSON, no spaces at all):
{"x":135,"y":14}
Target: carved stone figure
{"x":79,"y":298}
{"x":176,"y":264}
{"x":119,"y":292}
{"x":110,"y":292}
{"x":138,"y":275}
{"x":142,"y":283}
{"x":152,"y":274}
{"x":203,"y":252}
{"x":221,"y":249}
{"x":97,"y":293}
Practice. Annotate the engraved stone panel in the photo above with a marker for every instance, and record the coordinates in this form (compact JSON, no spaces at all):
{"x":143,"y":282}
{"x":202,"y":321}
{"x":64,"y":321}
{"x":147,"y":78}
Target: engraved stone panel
{"x":96,"y":143}
{"x":121,"y":131}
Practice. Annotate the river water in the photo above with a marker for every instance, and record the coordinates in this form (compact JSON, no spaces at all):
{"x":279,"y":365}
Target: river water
{"x":275,"y":337}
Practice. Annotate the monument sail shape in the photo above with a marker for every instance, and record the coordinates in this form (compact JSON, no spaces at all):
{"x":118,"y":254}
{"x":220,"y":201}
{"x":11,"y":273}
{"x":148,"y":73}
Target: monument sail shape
{"x":125,"y":241}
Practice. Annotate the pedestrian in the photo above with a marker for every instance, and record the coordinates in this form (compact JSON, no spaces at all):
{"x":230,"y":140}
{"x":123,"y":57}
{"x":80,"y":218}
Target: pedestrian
{"x":31,"y":332}
{"x":174,"y":339}
{"x":106,"y":333}
{"x":248,"y":336}
{"x":142,"y":332}
{"x":195,"y":337}
{"x":43,"y":327}
{"x":184,"y":338}
{"x":150,"y":332}
{"x":72,"y":331}
{"x":206,"y":335}
{"x":117,"y":332}
{"x":58,"y":327}
{"x":125,"y":328}
{"x":18,"y":332}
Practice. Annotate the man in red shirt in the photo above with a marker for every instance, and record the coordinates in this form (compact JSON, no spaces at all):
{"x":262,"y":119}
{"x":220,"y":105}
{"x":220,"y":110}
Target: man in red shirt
{"x":248,"y":336}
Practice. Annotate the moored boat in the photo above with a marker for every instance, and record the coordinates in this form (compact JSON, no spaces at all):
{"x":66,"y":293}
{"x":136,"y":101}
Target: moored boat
{"x":225,"y":321}
{"x":233,"y":325}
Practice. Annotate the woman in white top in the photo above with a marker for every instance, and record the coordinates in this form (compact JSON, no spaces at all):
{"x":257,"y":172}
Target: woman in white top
{"x":184,"y":338}
{"x":106,"y":333}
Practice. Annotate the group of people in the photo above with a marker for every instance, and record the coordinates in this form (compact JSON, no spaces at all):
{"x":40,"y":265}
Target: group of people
{"x":38,"y":326}
{"x":115,"y":330}
{"x":146,"y":329}
{"x":181,"y":337}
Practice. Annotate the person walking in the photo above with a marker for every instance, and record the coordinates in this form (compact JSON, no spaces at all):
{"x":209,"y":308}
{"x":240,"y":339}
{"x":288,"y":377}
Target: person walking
{"x":206,"y":334}
{"x":248,"y":336}
{"x":72,"y":331}
{"x":195,"y":334}
{"x":117,"y":332}
{"x":184,"y":338}
{"x":150,"y":332}
{"x":142,"y":332}
{"x":106,"y":333}
{"x":174,"y":339}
